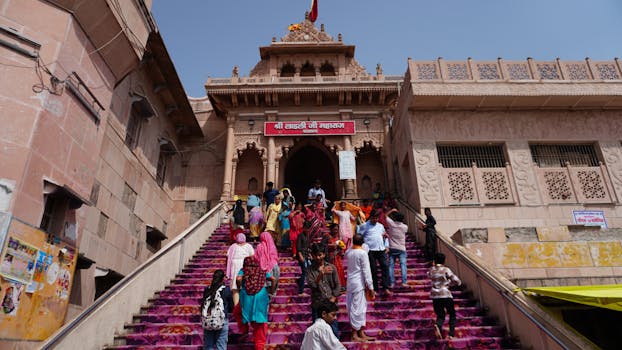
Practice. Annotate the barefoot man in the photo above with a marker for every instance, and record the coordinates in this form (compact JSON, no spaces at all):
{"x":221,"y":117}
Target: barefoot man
{"x":359,"y":279}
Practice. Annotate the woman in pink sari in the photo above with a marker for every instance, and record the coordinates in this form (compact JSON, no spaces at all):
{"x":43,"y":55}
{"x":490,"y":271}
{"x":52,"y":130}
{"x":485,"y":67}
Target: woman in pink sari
{"x":268,"y":258}
{"x":235,"y":260}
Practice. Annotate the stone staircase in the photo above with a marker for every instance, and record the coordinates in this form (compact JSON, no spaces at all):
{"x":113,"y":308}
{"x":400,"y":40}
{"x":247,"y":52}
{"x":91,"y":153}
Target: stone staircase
{"x":171,"y":320}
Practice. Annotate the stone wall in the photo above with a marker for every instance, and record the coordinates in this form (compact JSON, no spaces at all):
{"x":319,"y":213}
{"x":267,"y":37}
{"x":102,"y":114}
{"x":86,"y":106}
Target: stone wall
{"x":549,"y":256}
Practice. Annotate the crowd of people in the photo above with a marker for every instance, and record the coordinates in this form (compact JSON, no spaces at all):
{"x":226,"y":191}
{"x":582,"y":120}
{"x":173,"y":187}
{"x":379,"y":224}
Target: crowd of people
{"x":339,"y":250}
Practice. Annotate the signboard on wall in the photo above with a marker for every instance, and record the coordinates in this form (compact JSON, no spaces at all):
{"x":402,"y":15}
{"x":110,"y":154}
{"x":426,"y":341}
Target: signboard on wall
{"x":590,"y":218}
{"x":309,"y":128}
{"x":35,"y":283}
{"x":347,"y":165}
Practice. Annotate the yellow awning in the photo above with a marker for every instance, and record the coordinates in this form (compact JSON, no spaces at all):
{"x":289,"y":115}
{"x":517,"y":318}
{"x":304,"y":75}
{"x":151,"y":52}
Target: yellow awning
{"x":605,"y":296}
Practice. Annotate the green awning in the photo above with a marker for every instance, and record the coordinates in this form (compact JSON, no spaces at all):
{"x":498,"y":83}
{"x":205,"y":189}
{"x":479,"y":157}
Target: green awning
{"x":605,"y":296}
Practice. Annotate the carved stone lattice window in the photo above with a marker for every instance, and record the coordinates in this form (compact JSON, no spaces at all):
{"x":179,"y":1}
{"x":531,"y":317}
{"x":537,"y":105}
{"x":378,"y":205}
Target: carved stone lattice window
{"x":558,"y":185}
{"x":488,"y":71}
{"x":548,"y":71}
{"x":426,"y":71}
{"x":607,"y":72}
{"x":458,"y":71}
{"x":577,"y":71}
{"x":518,"y":71}
{"x":591,"y":184}
{"x":495,"y":185}
{"x":461,"y":186}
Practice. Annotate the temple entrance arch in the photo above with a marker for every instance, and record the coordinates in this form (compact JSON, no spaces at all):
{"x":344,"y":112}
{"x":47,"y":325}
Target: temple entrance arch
{"x":307,"y":161}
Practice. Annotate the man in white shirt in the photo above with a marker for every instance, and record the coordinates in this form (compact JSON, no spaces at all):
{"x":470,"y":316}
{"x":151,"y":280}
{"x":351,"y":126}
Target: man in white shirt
{"x":319,"y":336}
{"x":314,"y":191}
{"x":397,"y":245}
{"x":377,"y":240}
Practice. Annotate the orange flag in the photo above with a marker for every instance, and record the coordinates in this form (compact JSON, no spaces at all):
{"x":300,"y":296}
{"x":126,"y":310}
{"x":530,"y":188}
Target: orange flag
{"x":313,"y":13}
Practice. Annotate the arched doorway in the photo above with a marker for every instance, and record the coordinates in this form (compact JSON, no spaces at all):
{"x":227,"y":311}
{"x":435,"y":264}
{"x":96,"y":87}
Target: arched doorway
{"x":304,"y":166}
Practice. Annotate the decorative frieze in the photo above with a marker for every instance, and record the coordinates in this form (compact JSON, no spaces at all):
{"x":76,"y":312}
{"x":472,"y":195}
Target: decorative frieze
{"x":524,"y":175}
{"x":428,"y":174}
{"x":612,"y":154}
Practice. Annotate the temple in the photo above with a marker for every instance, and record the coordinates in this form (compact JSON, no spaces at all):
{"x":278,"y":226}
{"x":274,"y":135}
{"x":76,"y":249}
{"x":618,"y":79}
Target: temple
{"x":306,"y":101}
{"x":115,"y":184}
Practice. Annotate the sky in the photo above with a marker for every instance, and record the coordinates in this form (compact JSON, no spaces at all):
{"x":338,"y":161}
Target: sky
{"x":208,"y":37}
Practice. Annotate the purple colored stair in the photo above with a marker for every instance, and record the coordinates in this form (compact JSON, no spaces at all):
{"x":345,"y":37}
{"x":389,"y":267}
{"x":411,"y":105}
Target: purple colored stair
{"x":404,"y":321}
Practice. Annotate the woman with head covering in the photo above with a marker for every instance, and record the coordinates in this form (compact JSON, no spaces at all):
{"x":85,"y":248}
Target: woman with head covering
{"x":268,"y":257}
{"x":254,"y":299}
{"x":296,"y":220}
{"x":255,"y":222}
{"x":235,"y":259}
{"x":217,"y":338}
{"x":239,"y":214}
{"x":284,"y":241}
{"x":272,"y":217}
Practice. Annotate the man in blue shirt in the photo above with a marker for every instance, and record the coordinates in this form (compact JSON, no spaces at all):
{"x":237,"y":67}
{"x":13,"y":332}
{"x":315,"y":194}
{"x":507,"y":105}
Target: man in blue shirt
{"x":378,"y":242}
{"x":270,"y":193}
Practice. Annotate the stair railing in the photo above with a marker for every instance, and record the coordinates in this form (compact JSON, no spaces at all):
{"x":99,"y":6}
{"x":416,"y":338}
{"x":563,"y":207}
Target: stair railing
{"x":522,"y":317}
{"x":97,"y":325}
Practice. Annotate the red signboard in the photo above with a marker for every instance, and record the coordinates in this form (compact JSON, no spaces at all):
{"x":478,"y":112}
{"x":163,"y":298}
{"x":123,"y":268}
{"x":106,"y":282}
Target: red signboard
{"x":309,"y":128}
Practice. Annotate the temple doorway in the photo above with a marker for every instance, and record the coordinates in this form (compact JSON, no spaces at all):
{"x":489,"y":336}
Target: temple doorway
{"x":305,"y":165}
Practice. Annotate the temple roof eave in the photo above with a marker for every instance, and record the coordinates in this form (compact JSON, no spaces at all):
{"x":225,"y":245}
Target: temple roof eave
{"x":225,"y":90}
{"x":286,"y":48}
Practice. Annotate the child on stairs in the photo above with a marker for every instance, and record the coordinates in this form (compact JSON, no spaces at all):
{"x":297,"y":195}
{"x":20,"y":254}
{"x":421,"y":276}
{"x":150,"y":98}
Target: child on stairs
{"x":442,"y":278}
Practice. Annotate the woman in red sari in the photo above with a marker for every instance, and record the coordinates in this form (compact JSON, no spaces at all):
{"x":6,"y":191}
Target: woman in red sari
{"x":296,"y":220}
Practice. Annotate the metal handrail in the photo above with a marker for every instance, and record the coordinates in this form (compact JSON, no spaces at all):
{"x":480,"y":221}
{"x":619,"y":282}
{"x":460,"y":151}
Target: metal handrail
{"x":506,"y":289}
{"x":50,"y":342}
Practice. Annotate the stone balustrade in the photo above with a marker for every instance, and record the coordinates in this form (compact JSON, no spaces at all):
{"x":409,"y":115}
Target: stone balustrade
{"x":441,"y":70}
{"x":299,"y":79}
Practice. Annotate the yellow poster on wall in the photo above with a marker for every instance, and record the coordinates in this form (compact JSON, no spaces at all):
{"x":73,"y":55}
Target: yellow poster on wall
{"x":35,"y":283}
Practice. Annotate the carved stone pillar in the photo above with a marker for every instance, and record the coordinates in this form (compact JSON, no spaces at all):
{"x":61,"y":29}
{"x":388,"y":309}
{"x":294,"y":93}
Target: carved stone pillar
{"x":234,"y":167}
{"x":612,"y":154}
{"x":226,"y":185}
{"x":524,"y":175}
{"x":271,"y":116}
{"x":271,"y":160}
{"x":388,"y":151}
{"x":264,"y":162}
{"x":277,"y":161}
{"x":349,"y":187}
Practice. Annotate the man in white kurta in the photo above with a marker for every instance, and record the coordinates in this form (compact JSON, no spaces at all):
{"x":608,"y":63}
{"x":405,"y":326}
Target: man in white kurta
{"x":320,"y":336}
{"x":359,"y":278}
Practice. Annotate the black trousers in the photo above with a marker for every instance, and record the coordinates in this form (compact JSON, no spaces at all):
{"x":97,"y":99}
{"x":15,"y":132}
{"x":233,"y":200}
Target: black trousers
{"x":379,"y":256}
{"x":441,"y":306}
{"x":430,"y":244}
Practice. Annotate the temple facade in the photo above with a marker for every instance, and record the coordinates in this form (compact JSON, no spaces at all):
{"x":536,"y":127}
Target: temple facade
{"x":306,"y":104}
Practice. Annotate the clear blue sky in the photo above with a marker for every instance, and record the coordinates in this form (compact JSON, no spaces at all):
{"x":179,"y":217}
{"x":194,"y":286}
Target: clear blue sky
{"x":208,"y":37}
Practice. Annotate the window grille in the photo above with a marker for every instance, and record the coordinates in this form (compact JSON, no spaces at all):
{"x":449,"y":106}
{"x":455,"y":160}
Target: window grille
{"x":484,"y":156}
{"x":554,"y":156}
